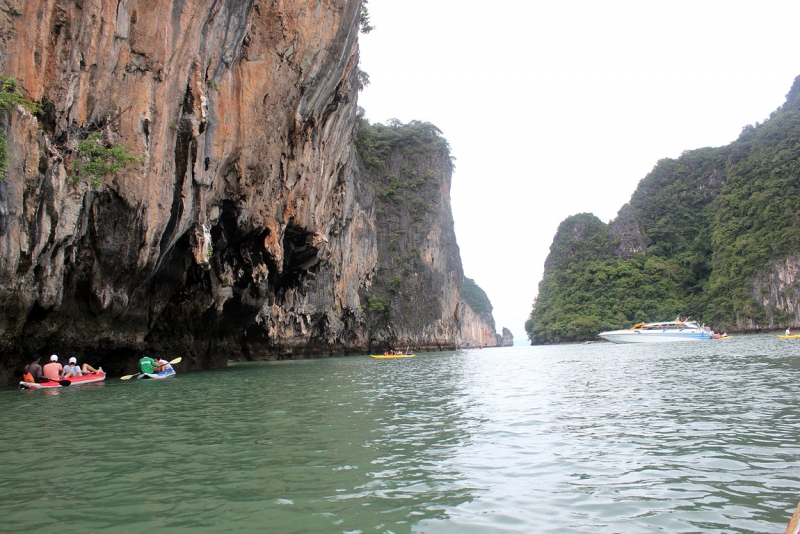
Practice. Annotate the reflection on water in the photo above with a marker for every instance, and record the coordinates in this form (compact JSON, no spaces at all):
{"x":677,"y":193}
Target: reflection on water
{"x":695,"y":437}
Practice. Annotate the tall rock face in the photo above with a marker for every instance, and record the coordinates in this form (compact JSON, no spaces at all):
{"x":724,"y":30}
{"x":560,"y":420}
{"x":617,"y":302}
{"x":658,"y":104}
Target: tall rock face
{"x":248,"y":225}
{"x":713,"y":234}
{"x":242,"y":114}
{"x":400,"y":250}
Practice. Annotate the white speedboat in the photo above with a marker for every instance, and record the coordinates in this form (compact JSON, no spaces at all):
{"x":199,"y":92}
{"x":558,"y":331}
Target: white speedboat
{"x":665,"y":332}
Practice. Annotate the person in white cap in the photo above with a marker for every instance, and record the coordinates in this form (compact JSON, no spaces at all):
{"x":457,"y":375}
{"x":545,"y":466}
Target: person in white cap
{"x":73,"y":370}
{"x":53,"y":370}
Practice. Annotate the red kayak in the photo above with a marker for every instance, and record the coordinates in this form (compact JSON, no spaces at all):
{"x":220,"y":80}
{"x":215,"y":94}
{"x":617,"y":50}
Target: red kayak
{"x":65,"y":382}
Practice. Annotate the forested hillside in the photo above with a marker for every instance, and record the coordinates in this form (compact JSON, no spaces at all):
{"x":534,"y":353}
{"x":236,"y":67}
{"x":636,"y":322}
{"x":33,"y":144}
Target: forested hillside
{"x":478,"y":300}
{"x":714,"y":234}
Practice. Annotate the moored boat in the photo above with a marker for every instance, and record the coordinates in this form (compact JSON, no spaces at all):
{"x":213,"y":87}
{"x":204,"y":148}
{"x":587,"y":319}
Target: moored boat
{"x":664,"y":332}
{"x":65,"y":382}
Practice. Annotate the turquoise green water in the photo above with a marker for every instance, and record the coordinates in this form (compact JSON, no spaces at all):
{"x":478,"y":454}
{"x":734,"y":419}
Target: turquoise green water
{"x":686,"y":437}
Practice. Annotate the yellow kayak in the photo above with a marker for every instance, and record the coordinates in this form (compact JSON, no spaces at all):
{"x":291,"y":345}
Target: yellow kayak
{"x":793,"y":336}
{"x":386,"y":356}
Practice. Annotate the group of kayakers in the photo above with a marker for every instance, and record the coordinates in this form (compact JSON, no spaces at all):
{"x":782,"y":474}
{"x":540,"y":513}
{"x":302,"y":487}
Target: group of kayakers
{"x":54,"y":371}
{"x":398,"y":352}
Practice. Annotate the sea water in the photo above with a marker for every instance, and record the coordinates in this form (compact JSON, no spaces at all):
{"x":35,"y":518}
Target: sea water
{"x":679,"y":437}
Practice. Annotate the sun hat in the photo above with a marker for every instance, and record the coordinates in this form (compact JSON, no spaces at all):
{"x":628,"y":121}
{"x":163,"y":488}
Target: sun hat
{"x":53,"y":358}
{"x":73,"y":360}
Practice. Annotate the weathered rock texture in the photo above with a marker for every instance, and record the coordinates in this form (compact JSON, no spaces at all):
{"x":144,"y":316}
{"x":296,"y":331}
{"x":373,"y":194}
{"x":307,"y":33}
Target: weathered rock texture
{"x":777,"y":289}
{"x":247,"y":209}
{"x":625,"y":235}
{"x":402,"y":237}
{"x":507,"y":339}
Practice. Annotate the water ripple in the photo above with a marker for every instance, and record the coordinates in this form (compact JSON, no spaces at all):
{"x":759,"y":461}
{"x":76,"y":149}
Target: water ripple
{"x":597,"y":438}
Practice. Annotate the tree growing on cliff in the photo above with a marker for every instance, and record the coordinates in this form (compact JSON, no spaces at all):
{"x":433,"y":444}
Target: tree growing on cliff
{"x":10,"y":97}
{"x":96,"y":159}
{"x":375,"y":142}
{"x":363,"y":20}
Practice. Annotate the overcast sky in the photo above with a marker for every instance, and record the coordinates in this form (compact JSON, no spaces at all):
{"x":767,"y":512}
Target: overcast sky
{"x":561,"y":107}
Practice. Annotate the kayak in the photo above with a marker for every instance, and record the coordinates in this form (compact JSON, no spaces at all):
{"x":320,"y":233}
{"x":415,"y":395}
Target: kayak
{"x":793,"y":336}
{"x":163,"y":375}
{"x":65,"y":382}
{"x":387,"y":356}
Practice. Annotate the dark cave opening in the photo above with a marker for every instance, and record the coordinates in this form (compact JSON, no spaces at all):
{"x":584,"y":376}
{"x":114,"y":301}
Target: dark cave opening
{"x":299,"y":256}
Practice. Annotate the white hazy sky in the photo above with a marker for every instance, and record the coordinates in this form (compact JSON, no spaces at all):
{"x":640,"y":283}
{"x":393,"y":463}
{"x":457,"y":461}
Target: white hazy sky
{"x":561,"y":107}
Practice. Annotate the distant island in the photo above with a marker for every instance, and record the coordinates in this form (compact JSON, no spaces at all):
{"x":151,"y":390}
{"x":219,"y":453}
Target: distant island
{"x":714,"y":235}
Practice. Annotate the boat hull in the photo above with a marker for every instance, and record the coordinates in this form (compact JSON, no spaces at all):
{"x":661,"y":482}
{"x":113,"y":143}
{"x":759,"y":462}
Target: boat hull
{"x":627,"y":336}
{"x":391,"y":356}
{"x":74,"y":381}
{"x":793,"y":336}
{"x":163,"y":375}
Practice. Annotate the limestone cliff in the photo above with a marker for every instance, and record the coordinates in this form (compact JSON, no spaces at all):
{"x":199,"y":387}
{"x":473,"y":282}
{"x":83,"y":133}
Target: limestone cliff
{"x":248,"y":226}
{"x":400,"y":227}
{"x":242,"y":114}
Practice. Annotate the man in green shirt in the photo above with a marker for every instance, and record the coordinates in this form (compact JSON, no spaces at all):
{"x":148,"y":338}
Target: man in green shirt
{"x":148,"y":365}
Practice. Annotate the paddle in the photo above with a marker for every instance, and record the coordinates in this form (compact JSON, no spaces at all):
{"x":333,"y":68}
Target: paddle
{"x":173,"y":362}
{"x":63,"y":383}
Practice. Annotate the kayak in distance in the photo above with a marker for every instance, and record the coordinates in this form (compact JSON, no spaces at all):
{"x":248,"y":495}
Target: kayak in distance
{"x":791,"y":336}
{"x":390,"y":356}
{"x":65,"y":382}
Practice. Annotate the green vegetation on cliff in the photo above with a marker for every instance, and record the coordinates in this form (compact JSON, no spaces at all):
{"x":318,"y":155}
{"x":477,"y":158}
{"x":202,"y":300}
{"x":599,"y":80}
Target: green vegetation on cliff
{"x":477,"y":299}
{"x":375,"y":142}
{"x":586,"y":290}
{"x":11,"y":96}
{"x":711,"y":221}
{"x":97,"y":159}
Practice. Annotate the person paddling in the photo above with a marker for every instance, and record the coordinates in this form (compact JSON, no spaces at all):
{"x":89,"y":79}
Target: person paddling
{"x":163,"y":364}
{"x":149,"y":366}
{"x":53,"y":370}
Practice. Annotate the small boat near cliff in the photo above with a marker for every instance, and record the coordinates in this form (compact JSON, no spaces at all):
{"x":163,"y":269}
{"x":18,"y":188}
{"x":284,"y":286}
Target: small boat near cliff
{"x":792,"y":336}
{"x":390,"y":356}
{"x":65,"y":382}
{"x":664,"y":332}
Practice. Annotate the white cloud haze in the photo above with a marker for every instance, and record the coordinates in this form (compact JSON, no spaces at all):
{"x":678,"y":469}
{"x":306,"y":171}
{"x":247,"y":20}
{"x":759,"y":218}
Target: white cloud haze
{"x":557,"y":108}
